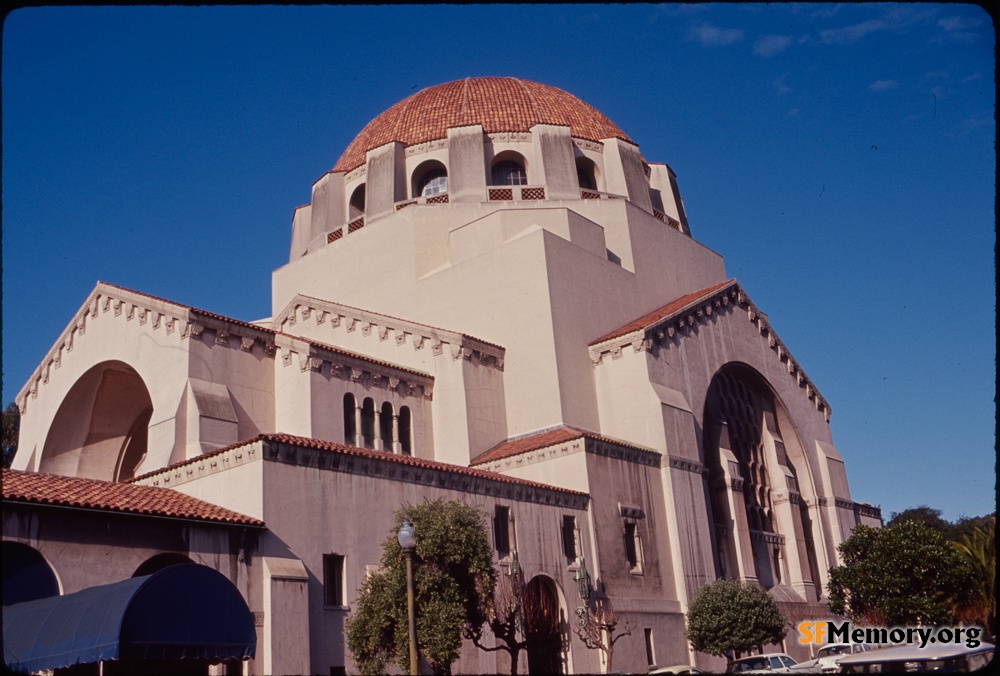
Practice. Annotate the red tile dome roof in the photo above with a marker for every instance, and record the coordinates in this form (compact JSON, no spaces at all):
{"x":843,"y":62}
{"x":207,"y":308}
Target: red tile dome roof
{"x":500,"y":104}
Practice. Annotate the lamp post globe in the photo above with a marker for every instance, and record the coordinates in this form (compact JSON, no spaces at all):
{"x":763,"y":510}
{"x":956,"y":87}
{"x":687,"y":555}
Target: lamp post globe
{"x":408,"y":541}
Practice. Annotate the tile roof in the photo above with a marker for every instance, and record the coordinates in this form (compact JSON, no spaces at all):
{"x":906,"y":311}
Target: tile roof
{"x":670,"y":308}
{"x":498,"y":103}
{"x":544,"y":439}
{"x":382,"y":456}
{"x":126,"y":498}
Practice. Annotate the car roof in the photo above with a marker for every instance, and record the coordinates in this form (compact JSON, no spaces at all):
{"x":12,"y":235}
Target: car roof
{"x":913,"y":653}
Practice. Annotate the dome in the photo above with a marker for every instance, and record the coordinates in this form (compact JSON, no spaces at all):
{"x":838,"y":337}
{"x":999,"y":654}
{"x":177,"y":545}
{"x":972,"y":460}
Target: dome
{"x":500,"y":104}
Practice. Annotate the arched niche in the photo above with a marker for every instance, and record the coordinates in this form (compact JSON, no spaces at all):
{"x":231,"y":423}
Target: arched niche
{"x":100,"y":430}
{"x":544,"y":622}
{"x":428,"y":179}
{"x":159,"y":562}
{"x":762,"y":528}
{"x":356,"y":206}
{"x":508,"y":168}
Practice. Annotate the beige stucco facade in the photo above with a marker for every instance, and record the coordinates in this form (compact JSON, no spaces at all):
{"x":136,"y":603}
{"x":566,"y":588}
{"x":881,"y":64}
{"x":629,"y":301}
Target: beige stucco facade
{"x":561,"y":333}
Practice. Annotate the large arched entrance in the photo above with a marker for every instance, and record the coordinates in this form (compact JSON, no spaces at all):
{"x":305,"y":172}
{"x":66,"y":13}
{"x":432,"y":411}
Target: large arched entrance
{"x":100,"y":430}
{"x":762,"y":527}
{"x":542,"y":626}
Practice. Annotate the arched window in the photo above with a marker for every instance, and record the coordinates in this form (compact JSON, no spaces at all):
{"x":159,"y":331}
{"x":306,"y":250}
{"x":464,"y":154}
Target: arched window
{"x":27,"y":576}
{"x":368,"y":423}
{"x":385,"y":426}
{"x":405,"y":431}
{"x":350,"y":427}
{"x":430,"y":178}
{"x":586,"y":173}
{"x":357,"y":206}
{"x":508,"y":172}
{"x":159,"y":562}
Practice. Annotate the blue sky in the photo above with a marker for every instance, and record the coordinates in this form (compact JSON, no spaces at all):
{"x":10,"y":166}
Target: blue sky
{"x":840,"y":157}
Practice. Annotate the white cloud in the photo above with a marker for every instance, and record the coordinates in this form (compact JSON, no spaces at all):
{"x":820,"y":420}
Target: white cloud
{"x":970,"y":78}
{"x":958,"y":23}
{"x":713,"y":36}
{"x":882,"y":85}
{"x":780,"y":86}
{"x":769,"y":45}
{"x":851,"y":34}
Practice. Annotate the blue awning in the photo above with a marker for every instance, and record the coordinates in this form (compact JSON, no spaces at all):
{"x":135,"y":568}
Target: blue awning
{"x":186,"y":611}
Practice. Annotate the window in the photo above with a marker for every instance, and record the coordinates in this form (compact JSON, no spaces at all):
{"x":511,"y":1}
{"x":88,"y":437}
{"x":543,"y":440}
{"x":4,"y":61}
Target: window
{"x":508,"y":172}
{"x":385,"y":426}
{"x":650,"y":655}
{"x":333,"y":579}
{"x":405,"y":431}
{"x":569,"y":536}
{"x":368,"y":423}
{"x":586,"y":173}
{"x":501,"y":530}
{"x":434,"y":182}
{"x":357,"y":205}
{"x":633,"y":547}
{"x":350,"y":427}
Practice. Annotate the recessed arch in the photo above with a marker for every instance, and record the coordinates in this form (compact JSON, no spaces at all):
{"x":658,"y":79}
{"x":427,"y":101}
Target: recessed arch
{"x":27,"y":576}
{"x":159,"y":562}
{"x":368,"y":423}
{"x":385,"y":425}
{"x":543,"y":619}
{"x":508,"y":168}
{"x":100,"y":429}
{"x":429,"y":178}
{"x":356,"y":206}
{"x":753,"y":452}
{"x":350,"y":420}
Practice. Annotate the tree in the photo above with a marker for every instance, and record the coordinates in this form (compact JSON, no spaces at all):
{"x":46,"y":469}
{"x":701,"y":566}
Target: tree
{"x":922,"y":514}
{"x":11,"y":428}
{"x":733,"y":615}
{"x":603,"y":626}
{"x":453,"y":578}
{"x":979,"y":549}
{"x":903,"y":574}
{"x":504,"y":618}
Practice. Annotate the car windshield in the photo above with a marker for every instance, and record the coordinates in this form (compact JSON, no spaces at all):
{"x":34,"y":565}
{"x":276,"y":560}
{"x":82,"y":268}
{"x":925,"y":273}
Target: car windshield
{"x":834,"y":650}
{"x":754,"y":664}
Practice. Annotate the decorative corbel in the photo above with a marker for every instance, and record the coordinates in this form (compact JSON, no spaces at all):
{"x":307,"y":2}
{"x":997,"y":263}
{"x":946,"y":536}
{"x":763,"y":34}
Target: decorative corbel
{"x":246,"y":343}
{"x":143,"y":316}
{"x":383,"y":332}
{"x":366,"y":329}
{"x":221,"y":337}
{"x":401,"y":337}
{"x":436,"y":347}
{"x":321,"y":316}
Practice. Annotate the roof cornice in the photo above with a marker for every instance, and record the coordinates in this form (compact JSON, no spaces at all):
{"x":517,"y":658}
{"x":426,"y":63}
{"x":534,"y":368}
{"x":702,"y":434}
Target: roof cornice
{"x":460,"y":345}
{"x":676,"y":324}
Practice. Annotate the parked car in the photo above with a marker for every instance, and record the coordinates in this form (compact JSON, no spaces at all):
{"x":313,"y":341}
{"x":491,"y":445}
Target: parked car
{"x":936,"y":657}
{"x":771,"y":663}
{"x":678,"y":669}
{"x":828,"y":656}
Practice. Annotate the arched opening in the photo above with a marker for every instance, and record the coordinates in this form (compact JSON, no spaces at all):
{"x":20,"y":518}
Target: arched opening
{"x":586,"y":173}
{"x":368,"y":423}
{"x":542,"y":626}
{"x":405,"y":431}
{"x":751,"y":450}
{"x":356,"y":207}
{"x":350,"y":423}
{"x":159,"y":562}
{"x":508,"y":169}
{"x":100,"y":429}
{"x":430,"y":178}
{"x":385,"y":426}
{"x":27,"y":576}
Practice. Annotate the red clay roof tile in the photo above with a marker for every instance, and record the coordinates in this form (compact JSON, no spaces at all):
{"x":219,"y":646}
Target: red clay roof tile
{"x":544,"y":439}
{"x":661,"y":313}
{"x":500,"y":104}
{"x":127,"y":498}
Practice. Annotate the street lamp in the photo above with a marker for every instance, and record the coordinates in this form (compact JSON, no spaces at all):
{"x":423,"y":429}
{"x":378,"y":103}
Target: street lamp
{"x":408,"y":542}
{"x":582,"y":579}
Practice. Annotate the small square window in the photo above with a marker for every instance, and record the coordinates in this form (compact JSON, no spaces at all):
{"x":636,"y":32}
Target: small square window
{"x":333,"y":579}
